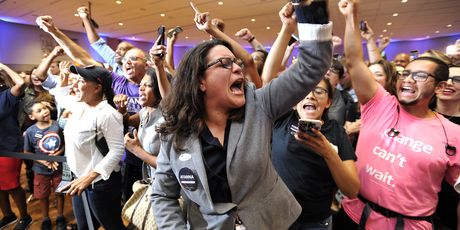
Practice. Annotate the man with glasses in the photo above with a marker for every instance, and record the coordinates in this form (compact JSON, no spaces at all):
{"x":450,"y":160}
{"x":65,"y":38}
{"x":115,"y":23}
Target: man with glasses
{"x":405,"y":149}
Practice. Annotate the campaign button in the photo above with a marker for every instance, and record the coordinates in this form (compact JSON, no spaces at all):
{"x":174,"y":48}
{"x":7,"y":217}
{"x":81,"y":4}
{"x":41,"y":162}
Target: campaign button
{"x":188,"y":179}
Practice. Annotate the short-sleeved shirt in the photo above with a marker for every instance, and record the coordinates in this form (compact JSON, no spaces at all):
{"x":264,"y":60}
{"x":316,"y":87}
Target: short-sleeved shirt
{"x":402,"y":173}
{"x":43,"y":141}
{"x":305,"y":172}
{"x":121,"y":85}
{"x":10,"y":135}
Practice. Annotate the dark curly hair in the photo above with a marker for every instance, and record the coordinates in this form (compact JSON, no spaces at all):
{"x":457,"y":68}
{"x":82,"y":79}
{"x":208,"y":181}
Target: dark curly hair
{"x":183,"y":108}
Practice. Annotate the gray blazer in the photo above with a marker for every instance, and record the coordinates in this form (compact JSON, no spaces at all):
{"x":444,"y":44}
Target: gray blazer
{"x":259,"y":196}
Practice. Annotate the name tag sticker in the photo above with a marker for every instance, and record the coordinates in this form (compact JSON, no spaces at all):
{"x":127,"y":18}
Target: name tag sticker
{"x":188,"y":179}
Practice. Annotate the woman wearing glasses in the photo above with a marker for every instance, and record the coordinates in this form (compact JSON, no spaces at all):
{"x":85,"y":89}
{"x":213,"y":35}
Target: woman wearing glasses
{"x":216,"y":136}
{"x":315,"y":163}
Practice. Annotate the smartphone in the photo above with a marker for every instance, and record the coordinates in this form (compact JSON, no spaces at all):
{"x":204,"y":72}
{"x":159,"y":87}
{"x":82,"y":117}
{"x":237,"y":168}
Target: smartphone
{"x":176,"y":30}
{"x":161,"y":35}
{"x":293,"y":39}
{"x":131,"y":131}
{"x":413,"y":54}
{"x":363,"y":25}
{"x":306,"y":125}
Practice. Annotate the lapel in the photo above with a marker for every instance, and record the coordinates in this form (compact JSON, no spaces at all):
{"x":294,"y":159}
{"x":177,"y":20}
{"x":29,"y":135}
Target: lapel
{"x":233,"y":138}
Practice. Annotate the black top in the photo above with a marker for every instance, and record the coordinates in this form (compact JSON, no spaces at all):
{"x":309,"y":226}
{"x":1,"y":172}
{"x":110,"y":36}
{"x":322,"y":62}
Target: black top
{"x":446,"y":209}
{"x":215,"y":158}
{"x":306,"y":173}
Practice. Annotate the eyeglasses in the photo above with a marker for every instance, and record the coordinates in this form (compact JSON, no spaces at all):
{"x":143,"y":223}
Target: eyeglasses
{"x":455,"y":80}
{"x":418,"y":76}
{"x":319,"y":92}
{"x":334,"y":70}
{"x":227,"y":62}
{"x":131,"y":58}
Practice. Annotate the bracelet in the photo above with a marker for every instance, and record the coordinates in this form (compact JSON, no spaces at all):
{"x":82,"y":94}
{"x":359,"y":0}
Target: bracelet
{"x":251,"y":39}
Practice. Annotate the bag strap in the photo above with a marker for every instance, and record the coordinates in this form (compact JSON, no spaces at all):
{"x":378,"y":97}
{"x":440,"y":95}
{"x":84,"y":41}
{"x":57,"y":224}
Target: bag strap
{"x":89,"y":220}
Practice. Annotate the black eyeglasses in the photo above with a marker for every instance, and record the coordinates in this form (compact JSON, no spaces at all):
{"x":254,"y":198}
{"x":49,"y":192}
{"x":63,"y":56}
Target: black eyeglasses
{"x":227,"y":62}
{"x":418,"y":76}
{"x":455,"y":80}
{"x":319,"y":92}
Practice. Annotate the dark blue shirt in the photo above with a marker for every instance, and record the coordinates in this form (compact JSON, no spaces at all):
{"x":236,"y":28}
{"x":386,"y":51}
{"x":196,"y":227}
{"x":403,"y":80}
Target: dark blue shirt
{"x":10,"y":135}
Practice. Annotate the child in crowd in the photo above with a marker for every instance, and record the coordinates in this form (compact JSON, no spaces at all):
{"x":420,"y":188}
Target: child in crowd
{"x":45,"y":137}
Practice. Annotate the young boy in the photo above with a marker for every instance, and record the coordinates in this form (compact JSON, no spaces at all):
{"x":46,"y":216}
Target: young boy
{"x":45,"y":137}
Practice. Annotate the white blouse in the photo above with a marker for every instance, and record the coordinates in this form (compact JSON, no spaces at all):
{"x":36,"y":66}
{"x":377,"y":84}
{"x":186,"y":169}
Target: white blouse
{"x":80,"y":144}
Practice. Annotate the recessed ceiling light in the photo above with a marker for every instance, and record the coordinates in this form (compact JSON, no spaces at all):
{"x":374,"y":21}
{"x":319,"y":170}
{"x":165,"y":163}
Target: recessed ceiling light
{"x":381,"y":35}
{"x":220,"y":3}
{"x":268,"y":27}
{"x":186,"y":37}
{"x":162,"y":15}
{"x":118,"y":2}
{"x":384,"y":31}
{"x":395,"y":14}
{"x":204,"y":40}
{"x":253,"y":20}
{"x":133,"y":37}
{"x":76,"y":15}
{"x":389,"y":24}
{"x":428,"y":36}
{"x":450,"y":25}
{"x":437,"y":31}
{"x":403,"y":1}
{"x":120,"y":23}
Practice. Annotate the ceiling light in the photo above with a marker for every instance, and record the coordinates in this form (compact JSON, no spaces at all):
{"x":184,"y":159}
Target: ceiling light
{"x":384,"y":31}
{"x":118,"y":2}
{"x":437,"y":31}
{"x":253,"y":20}
{"x":428,"y":36}
{"x":268,"y":27}
{"x":395,"y":14}
{"x":220,"y":3}
{"x":450,"y":25}
{"x":162,"y":15}
{"x":134,"y":38}
{"x":389,"y":24}
{"x":120,"y":23}
{"x":403,"y":1}
{"x":76,"y":15}
{"x":186,"y":37}
{"x":381,"y":35}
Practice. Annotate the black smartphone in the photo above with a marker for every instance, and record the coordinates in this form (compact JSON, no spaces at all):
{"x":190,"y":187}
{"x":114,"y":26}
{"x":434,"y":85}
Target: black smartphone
{"x":161,"y":36}
{"x":131,"y":131}
{"x":306,"y":125}
{"x":176,"y":30}
{"x":293,"y":39}
{"x":363,"y":25}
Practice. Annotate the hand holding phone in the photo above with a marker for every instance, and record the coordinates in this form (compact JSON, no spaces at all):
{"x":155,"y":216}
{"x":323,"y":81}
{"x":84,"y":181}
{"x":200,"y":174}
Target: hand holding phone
{"x":306,"y":125}
{"x":161,"y":38}
{"x":131,"y":131}
{"x":363,"y":26}
{"x":293,"y":39}
{"x":176,"y":30}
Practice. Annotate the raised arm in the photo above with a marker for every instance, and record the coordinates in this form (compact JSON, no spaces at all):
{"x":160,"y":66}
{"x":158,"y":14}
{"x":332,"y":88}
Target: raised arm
{"x":158,"y":65}
{"x":372,"y":50}
{"x":203,"y":22}
{"x":72,"y":49}
{"x":91,"y":32}
{"x":41,"y":71}
{"x":170,"y":42}
{"x":273,"y":63}
{"x":19,"y":83}
{"x":364,"y":84}
{"x":246,"y":35}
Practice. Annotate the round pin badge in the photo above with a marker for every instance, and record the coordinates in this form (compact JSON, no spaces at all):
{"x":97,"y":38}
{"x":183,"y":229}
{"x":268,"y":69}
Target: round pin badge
{"x":188,"y":179}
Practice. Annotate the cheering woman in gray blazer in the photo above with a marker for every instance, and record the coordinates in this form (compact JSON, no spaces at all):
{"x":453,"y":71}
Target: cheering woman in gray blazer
{"x":216,"y":135}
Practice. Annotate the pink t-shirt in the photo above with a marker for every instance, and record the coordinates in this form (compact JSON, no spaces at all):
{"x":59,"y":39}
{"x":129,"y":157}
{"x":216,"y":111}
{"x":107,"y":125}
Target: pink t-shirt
{"x":402,"y":173}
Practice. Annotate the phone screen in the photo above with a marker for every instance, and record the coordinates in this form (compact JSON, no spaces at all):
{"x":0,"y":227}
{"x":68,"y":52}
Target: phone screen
{"x":363,"y":26}
{"x":293,"y":39}
{"x":161,"y":35}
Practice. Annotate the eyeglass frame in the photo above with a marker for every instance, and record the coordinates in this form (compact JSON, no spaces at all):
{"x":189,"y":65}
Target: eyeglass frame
{"x":415,"y":77}
{"x":225,"y":65}
{"x":323,"y":93}
{"x":130,"y":58}
{"x":455,"y":80}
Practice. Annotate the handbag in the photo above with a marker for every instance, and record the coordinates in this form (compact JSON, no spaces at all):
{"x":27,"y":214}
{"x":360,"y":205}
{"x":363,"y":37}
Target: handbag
{"x":101,"y":144}
{"x":138,"y":209}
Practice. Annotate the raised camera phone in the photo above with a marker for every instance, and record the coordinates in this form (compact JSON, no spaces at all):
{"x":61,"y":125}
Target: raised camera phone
{"x":306,"y":125}
{"x":363,"y":26}
{"x":413,"y":54}
{"x":161,"y":38}
{"x":176,"y":30}
{"x":293,"y":39}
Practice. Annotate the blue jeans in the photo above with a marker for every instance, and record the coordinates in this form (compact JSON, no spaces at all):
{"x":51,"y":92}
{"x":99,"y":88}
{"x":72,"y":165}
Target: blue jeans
{"x":104,"y":199}
{"x":325,"y":224}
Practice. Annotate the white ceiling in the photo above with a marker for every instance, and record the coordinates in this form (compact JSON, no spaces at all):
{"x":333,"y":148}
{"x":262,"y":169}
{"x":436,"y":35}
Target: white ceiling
{"x":417,"y":19}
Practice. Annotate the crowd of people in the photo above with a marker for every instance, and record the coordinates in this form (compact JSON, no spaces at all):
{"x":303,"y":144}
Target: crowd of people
{"x":225,"y":135}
